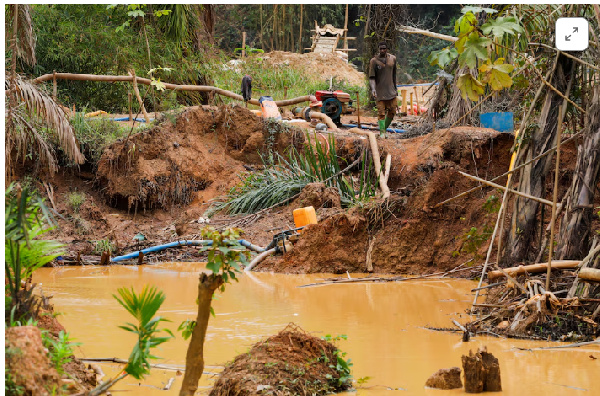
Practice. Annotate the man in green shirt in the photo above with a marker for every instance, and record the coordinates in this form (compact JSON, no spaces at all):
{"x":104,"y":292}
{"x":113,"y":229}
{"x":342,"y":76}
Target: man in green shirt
{"x":382,"y":80}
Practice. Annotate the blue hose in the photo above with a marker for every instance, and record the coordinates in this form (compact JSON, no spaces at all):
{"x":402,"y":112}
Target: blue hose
{"x":394,"y":130}
{"x":158,"y":248}
{"x":127,"y":119}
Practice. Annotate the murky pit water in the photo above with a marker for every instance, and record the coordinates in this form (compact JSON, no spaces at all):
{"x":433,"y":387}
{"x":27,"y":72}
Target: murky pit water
{"x":384,"y":324}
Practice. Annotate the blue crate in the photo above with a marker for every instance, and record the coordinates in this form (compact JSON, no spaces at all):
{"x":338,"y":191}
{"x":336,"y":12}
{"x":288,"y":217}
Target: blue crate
{"x":501,"y":121}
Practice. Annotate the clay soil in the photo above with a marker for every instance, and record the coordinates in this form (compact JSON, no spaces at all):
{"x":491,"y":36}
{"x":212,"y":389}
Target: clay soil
{"x":317,"y":65}
{"x":160,"y":183}
{"x":291,"y":362}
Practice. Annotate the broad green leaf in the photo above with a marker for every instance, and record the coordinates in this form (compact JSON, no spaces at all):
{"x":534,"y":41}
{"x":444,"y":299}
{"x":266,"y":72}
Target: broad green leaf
{"x":476,"y":10}
{"x":442,"y":57}
{"x":475,"y":47}
{"x":136,"y":13}
{"x":469,"y":86}
{"x":466,"y":23}
{"x":502,"y":25}
{"x":159,"y":85}
{"x":497,"y":75}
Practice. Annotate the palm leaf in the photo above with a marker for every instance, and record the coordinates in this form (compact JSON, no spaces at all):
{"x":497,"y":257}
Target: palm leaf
{"x":25,"y":34}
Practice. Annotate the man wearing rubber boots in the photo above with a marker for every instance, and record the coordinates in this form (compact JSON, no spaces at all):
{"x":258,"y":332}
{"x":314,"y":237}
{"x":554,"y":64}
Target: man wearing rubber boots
{"x":382,"y":80}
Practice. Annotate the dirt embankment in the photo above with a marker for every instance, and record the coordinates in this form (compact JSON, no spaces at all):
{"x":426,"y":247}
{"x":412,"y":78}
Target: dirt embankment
{"x":407,"y":234}
{"x":191,"y":161}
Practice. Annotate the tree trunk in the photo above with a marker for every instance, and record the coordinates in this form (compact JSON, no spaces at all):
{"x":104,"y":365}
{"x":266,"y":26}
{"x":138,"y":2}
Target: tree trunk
{"x":458,"y":106}
{"x":274,"y":33}
{"x":194,"y":360}
{"x":300,"y":49}
{"x":575,"y":227}
{"x":532,"y":180}
{"x":209,"y":21}
{"x":262,"y":43}
{"x":292,"y":43}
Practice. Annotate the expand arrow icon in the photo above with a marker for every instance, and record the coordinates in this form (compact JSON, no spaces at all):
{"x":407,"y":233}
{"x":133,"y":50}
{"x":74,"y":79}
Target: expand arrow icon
{"x":568,"y":38}
{"x":575,"y":29}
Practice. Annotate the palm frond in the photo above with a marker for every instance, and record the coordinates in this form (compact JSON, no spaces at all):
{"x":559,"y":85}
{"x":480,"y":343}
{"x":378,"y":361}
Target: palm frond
{"x":42,"y":107}
{"x":26,"y":38}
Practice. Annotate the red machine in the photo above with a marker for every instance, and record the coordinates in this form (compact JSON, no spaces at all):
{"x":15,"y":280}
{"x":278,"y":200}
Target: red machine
{"x":335,"y":103}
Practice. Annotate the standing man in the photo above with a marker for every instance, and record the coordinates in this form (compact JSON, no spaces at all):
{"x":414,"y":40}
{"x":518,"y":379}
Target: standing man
{"x":382,"y":80}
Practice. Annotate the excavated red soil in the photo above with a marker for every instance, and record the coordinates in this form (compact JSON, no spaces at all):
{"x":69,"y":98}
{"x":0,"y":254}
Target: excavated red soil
{"x":191,"y":161}
{"x":291,"y":362}
{"x":414,"y":238}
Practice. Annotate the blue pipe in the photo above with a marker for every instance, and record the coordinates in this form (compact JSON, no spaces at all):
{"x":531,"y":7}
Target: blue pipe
{"x":127,"y":119}
{"x":394,"y":130}
{"x":159,"y":248}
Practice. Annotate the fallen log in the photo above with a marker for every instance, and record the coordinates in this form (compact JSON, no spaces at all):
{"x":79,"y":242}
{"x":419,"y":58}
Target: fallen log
{"x":175,"y":87}
{"x":589,"y":274}
{"x":535,"y":268}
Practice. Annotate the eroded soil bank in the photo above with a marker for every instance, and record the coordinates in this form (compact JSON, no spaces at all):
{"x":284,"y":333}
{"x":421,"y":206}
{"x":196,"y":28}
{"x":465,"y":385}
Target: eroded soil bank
{"x":159,"y":183}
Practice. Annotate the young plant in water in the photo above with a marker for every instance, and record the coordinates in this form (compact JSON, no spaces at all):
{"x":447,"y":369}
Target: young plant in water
{"x":225,"y":255}
{"x":142,"y":307}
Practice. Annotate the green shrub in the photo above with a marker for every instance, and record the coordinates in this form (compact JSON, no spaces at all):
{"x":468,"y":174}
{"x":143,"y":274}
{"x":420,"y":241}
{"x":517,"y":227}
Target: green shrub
{"x":75,"y":200}
{"x":104,"y":245}
{"x":60,"y":350}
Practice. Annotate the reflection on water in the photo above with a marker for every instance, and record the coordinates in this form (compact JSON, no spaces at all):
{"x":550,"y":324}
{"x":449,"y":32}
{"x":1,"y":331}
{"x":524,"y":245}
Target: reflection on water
{"x":384,"y":323}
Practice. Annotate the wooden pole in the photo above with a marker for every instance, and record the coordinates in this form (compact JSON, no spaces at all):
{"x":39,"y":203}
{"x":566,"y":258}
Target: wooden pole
{"x":358,"y":107}
{"x":262,"y":44}
{"x":376,"y":159}
{"x":243,"y":44}
{"x":300,"y":50}
{"x":137,"y":94}
{"x":417,"y":100}
{"x":410,"y":105}
{"x":519,"y":193}
{"x":554,"y":195}
{"x":346,"y":29}
{"x":403,"y":93}
{"x":129,"y":100}
{"x":54,"y":86}
{"x":535,"y":268}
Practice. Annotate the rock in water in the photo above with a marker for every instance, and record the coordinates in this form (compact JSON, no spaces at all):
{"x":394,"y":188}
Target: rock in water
{"x":445,"y":379}
{"x":482,"y":372}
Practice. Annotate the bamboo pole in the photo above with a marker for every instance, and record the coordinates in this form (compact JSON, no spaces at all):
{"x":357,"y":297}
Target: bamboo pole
{"x":410,"y":105}
{"x":358,"y":107}
{"x":554,"y":195}
{"x":175,"y":87}
{"x":403,"y":93}
{"x":243,"y":45}
{"x":54,"y":86}
{"x":129,"y":101}
{"x":346,"y":29}
{"x":137,"y":94}
{"x":522,"y":194}
{"x":535,"y":268}
{"x":412,"y":30}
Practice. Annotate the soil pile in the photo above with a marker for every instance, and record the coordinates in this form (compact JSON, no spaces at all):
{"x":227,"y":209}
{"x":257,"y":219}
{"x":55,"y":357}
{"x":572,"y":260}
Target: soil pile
{"x":317,"y":65}
{"x":289,"y":363}
{"x":193,"y":159}
{"x":408,"y":234}
{"x":27,"y":362}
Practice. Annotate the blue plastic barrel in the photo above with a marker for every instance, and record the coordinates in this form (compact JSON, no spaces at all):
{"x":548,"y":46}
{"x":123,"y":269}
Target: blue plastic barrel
{"x":500,"y":121}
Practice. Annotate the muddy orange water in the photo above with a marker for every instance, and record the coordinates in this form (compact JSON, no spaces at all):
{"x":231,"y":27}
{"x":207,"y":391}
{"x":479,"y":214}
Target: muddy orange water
{"x":384,"y":323}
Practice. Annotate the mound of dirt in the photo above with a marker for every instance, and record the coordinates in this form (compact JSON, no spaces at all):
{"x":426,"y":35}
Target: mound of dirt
{"x":410,"y":236}
{"x":193,"y":160}
{"x":289,"y":363}
{"x":318,"y":195}
{"x":27,"y":362}
{"x":317,"y":65}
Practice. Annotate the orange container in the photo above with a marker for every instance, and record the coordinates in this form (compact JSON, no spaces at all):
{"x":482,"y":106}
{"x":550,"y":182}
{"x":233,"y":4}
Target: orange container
{"x":305,"y":216}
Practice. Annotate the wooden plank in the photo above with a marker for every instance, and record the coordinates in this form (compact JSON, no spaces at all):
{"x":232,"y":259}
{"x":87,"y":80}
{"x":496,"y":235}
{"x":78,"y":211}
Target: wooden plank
{"x":534,"y":268}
